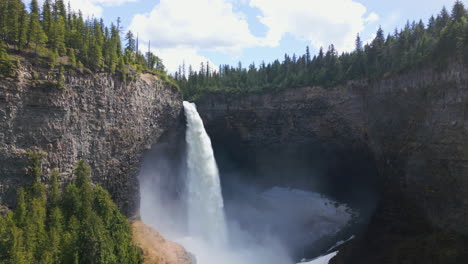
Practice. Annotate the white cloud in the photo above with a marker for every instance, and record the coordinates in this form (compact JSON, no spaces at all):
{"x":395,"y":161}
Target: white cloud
{"x":372,"y":18}
{"x":320,"y":22}
{"x":182,"y":27}
{"x":203,"y":24}
{"x":175,"y":57}
{"x":88,"y":7}
{"x":179,"y":29}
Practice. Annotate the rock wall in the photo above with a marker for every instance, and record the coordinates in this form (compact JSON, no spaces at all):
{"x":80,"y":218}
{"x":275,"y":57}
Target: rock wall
{"x":97,"y":118}
{"x":415,"y":125}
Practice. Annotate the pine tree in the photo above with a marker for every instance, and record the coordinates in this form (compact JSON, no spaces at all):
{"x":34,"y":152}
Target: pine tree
{"x":23,"y":29}
{"x":308,"y":60}
{"x":70,"y":246}
{"x":130,"y":48}
{"x":458,"y":12}
{"x":14,"y":9}
{"x":3,"y":20}
{"x":21,"y":210}
{"x":36,"y":35}
{"x":57,"y":35}
{"x":59,"y":9}
{"x":54,"y":190}
{"x":442,"y":20}
{"x":35,"y":235}
{"x":47,"y":18}
{"x":72,"y":202}
{"x":55,"y":239}
{"x":13,"y":243}
{"x":358,"y":43}
{"x":83,"y":182}
{"x":71,"y":54}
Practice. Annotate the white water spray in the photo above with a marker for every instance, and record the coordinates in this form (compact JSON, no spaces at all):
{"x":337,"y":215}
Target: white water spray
{"x":185,"y":203}
{"x":204,"y":198}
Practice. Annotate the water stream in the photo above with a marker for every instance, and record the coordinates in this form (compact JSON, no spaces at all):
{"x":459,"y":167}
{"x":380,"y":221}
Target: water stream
{"x":181,"y":197}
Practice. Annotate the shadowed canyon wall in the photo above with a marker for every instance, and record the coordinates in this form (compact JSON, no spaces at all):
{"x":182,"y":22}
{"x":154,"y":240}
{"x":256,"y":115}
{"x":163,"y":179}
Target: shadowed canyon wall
{"x":413,"y":127}
{"x":97,"y":118}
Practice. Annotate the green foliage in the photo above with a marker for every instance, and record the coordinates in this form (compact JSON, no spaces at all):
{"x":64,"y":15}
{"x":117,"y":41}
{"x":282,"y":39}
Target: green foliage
{"x":7,"y":68}
{"x":35,"y":35}
{"x":168,"y":79}
{"x":82,"y":226}
{"x":53,"y":55}
{"x":60,"y":79}
{"x":35,"y":161}
{"x":71,"y":54}
{"x":444,"y":39}
{"x":52,"y":31}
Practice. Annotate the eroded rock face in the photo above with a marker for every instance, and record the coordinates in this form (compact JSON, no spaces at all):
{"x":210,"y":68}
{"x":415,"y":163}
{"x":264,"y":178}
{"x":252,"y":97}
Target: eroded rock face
{"x":415,"y":126}
{"x":97,"y":118}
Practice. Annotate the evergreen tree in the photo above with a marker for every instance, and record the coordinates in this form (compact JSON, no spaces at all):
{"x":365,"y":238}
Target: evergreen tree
{"x":130,"y":47}
{"x":48,"y":229}
{"x":57,"y":35}
{"x":358,"y":43}
{"x":21,"y":210}
{"x":59,"y":9}
{"x":47,"y":18}
{"x":13,"y":27}
{"x":54,"y":190}
{"x":71,"y":54}
{"x":3,"y":20}
{"x":458,"y":12}
{"x":36,"y":36}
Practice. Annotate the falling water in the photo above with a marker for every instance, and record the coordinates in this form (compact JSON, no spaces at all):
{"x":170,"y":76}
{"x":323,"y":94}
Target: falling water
{"x":204,"y":198}
{"x":184,"y":202}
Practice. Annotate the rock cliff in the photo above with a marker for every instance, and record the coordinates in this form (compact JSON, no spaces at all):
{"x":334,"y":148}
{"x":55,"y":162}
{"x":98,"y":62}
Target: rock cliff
{"x":412,"y":126}
{"x":96,"y":117}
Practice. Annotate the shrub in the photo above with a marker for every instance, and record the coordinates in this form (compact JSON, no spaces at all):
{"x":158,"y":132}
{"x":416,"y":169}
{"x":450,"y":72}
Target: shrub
{"x":7,"y":68}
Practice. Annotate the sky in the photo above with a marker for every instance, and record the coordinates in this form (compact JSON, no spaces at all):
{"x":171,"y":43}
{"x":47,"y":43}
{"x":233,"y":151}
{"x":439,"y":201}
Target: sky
{"x":246,"y":31}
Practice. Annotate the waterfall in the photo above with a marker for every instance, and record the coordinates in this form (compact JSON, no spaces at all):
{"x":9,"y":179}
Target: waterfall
{"x":181,"y":197}
{"x":204,"y":198}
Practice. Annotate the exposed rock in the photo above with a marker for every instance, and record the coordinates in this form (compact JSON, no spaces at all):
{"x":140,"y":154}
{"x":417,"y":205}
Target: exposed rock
{"x":97,"y":118}
{"x":415,"y":125}
{"x":156,"y":249}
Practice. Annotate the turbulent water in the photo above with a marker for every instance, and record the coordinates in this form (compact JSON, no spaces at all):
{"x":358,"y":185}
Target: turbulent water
{"x":181,"y":197}
{"x":204,"y":198}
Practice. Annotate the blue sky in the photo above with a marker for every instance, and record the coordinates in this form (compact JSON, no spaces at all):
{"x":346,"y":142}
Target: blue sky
{"x":228,"y":31}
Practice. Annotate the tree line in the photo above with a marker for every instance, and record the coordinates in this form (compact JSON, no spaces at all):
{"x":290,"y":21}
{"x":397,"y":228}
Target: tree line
{"x":442,"y":39}
{"x":79,"y":225}
{"x":55,"y":30}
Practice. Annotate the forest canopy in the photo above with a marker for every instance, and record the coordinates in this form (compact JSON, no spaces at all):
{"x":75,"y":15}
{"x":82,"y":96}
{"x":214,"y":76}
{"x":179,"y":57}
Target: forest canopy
{"x":79,"y":225}
{"x":54,"y":30}
{"x":442,"y":39}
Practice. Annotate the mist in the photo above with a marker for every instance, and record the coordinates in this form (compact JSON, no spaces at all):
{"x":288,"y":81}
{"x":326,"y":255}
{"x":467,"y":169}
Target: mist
{"x":274,"y":225}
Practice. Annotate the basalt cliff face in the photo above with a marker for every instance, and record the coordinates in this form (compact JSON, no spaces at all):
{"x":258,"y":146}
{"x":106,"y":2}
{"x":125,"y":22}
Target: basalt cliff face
{"x":97,"y":118}
{"x":412,"y":128}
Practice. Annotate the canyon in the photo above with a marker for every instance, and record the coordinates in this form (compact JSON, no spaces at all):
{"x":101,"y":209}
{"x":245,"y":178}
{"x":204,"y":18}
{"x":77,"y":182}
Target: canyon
{"x":399,"y":141}
{"x":395,"y":148}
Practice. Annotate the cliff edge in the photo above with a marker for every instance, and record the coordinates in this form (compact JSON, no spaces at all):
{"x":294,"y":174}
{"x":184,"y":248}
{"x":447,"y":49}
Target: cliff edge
{"x":95,"y":117}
